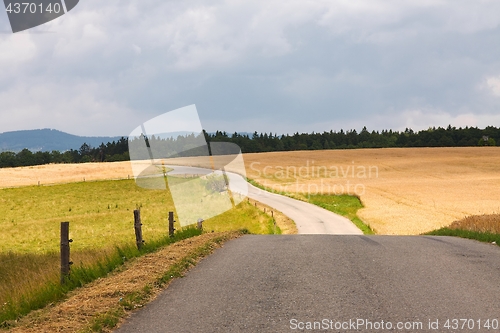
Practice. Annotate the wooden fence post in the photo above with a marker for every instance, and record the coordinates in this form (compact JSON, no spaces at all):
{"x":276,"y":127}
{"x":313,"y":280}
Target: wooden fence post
{"x":200,"y":224}
{"x":138,"y":228}
{"x":171,"y":221}
{"x":65,"y":263}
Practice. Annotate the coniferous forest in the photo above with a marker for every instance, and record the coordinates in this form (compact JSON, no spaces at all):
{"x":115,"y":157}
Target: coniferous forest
{"x":269,"y":142}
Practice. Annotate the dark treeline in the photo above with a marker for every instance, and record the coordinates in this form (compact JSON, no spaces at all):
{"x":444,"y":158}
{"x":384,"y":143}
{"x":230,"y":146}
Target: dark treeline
{"x":433,"y":137}
{"x":182,"y":145}
{"x":110,"y":152}
{"x":263,"y":142}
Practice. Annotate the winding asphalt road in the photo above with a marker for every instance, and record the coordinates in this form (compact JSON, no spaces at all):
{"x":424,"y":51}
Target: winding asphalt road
{"x":310,"y":219}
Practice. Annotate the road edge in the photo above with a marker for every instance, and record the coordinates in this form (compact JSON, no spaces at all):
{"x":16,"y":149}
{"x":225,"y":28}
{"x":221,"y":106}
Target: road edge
{"x":115,"y":302}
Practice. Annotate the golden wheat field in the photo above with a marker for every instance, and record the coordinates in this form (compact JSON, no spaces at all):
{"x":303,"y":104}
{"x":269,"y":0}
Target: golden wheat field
{"x":63,"y":173}
{"x":405,"y":191}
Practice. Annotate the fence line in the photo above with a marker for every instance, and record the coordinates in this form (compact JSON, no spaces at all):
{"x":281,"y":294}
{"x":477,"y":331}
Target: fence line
{"x":82,"y":180}
{"x":65,"y":241}
{"x":269,"y":212}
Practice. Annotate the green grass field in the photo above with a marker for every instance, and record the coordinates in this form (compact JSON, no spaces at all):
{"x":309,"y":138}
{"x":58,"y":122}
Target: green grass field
{"x":101,"y":222}
{"x":100,"y":214}
{"x":345,"y":205}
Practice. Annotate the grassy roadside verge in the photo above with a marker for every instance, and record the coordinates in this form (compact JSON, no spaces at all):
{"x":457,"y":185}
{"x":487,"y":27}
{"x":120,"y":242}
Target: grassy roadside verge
{"x":484,"y":228}
{"x":101,"y":305}
{"x":486,"y":237}
{"x":80,"y":275}
{"x":344,"y":205}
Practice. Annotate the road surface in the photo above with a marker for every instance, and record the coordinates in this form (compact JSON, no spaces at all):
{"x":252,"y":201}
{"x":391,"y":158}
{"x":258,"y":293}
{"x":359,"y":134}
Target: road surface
{"x":355,"y":283}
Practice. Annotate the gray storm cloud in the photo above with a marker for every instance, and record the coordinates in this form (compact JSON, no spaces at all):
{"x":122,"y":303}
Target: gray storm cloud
{"x":256,"y":65}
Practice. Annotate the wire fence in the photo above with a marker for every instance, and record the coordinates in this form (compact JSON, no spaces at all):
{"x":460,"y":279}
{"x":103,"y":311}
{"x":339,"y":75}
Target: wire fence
{"x":82,"y":179}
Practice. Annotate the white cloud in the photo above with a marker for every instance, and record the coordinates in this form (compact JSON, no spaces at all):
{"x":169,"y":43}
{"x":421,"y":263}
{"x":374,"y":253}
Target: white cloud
{"x":310,"y":84}
{"x":493,"y":84}
{"x":386,"y":21}
{"x":84,"y":35}
{"x":137,"y":49}
{"x":416,"y":119}
{"x":15,"y":50}
{"x":419,"y":119}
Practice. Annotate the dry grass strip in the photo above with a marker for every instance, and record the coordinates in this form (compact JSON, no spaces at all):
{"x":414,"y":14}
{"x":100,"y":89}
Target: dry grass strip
{"x":80,"y":310}
{"x":479,"y":223}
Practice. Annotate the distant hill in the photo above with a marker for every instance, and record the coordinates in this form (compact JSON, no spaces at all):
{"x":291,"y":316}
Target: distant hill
{"x":47,"y":140}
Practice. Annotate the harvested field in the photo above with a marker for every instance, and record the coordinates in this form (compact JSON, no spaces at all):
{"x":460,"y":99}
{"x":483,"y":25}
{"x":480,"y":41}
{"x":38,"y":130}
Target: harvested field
{"x":405,"y":191}
{"x":63,"y":173}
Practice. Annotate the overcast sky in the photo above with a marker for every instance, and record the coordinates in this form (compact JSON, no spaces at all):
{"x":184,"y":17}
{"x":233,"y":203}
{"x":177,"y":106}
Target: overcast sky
{"x":272,"y":65}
